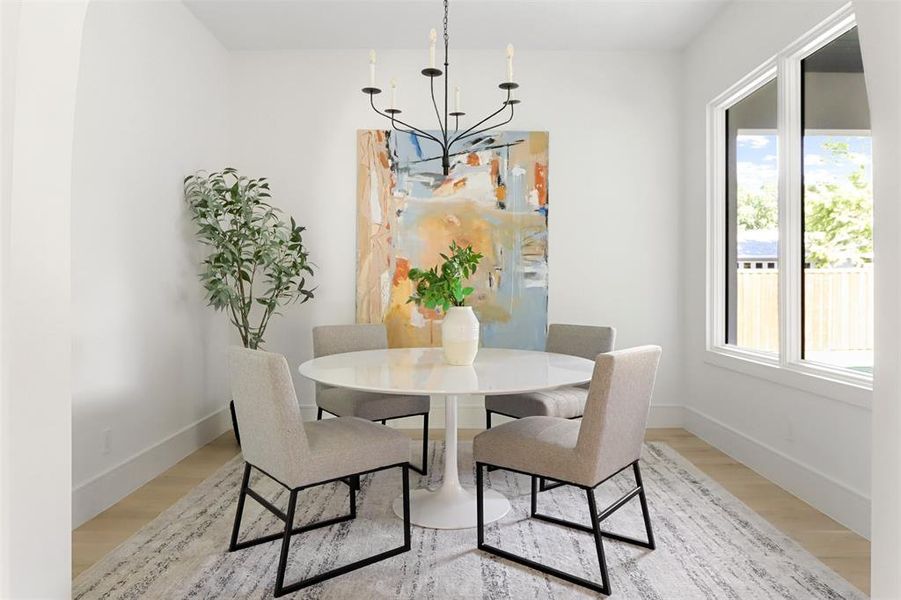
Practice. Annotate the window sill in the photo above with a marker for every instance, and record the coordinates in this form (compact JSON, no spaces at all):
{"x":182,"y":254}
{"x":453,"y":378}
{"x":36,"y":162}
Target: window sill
{"x":849,"y":389}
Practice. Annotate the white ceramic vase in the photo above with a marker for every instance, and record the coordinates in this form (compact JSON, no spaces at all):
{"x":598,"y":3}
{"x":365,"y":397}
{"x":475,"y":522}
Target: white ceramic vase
{"x":460,"y":335}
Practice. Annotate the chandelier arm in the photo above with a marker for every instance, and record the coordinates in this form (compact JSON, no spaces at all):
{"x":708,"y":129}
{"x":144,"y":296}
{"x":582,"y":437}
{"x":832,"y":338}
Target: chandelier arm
{"x":483,"y":130}
{"x":466,"y":133}
{"x":414,"y":131}
{"x":399,"y":129}
{"x":441,"y":126}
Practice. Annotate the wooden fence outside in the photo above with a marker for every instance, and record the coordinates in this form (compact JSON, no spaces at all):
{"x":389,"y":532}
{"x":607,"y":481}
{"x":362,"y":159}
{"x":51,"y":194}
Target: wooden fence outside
{"x":838,"y":313}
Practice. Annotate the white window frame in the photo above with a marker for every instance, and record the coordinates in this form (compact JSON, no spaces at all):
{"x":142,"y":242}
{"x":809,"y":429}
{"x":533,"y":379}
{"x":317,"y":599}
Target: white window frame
{"x":786,"y":367}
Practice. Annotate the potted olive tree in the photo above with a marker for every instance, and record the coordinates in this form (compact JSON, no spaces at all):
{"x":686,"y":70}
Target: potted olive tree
{"x":256,"y":263}
{"x":442,"y":288}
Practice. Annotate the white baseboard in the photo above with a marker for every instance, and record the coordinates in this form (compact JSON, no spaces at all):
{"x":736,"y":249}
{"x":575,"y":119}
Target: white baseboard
{"x":846,"y":505}
{"x":471,"y":415}
{"x":95,"y":495}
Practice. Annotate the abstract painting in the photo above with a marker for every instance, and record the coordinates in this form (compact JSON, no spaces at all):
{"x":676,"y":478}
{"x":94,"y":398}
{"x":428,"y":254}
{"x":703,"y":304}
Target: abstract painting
{"x":494,"y":198}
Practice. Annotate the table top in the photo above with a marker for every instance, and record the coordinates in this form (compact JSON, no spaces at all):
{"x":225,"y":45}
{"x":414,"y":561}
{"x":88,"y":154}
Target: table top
{"x":422,"y":371}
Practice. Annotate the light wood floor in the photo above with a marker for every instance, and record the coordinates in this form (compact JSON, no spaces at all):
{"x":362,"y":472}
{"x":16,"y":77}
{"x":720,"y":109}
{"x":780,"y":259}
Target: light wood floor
{"x":844,"y":551}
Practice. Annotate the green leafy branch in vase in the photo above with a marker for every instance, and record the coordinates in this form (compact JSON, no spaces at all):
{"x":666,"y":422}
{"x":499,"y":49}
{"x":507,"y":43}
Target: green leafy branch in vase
{"x":257,"y":262}
{"x":442,"y":285}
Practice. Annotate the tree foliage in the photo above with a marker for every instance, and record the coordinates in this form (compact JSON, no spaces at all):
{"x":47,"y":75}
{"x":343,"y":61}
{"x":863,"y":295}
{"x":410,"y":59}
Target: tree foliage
{"x":838,"y":217}
{"x":442,"y":286}
{"x":256,"y":262}
{"x":758,"y":210}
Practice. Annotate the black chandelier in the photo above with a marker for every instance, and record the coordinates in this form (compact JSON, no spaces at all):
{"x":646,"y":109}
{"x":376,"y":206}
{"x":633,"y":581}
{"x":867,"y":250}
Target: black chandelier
{"x":447,"y":138}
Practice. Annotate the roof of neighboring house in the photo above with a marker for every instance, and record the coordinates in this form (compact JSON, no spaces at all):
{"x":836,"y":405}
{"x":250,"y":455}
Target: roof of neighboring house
{"x":758,"y":244}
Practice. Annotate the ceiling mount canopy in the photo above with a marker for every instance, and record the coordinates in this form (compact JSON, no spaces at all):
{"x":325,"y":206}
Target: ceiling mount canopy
{"x":444,"y":137}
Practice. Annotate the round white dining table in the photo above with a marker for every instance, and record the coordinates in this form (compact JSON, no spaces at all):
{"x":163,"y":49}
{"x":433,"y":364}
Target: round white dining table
{"x":423,"y":371}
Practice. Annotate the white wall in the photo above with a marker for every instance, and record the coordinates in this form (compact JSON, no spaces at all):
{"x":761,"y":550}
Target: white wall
{"x":614,"y":220}
{"x":880,"y":23}
{"x":40,"y":45}
{"x":812,"y":445}
{"x":150,"y":110}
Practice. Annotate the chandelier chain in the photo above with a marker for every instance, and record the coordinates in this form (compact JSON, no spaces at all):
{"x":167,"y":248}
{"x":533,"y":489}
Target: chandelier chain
{"x":446,"y":36}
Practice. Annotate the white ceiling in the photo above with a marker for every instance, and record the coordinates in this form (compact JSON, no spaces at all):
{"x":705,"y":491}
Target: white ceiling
{"x":474,"y":24}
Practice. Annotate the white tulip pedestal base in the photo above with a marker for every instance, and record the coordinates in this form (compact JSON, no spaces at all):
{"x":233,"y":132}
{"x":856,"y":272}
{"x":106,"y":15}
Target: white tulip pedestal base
{"x":451,"y":506}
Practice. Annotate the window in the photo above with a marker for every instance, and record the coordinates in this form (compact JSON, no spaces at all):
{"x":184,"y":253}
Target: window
{"x":790,"y":206}
{"x":752,"y":213}
{"x":837,"y":196}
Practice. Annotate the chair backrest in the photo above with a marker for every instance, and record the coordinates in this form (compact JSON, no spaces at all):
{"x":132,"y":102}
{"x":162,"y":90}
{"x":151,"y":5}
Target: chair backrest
{"x":586,"y":341}
{"x":272,"y":433}
{"x":616,"y":411}
{"x":335,"y":339}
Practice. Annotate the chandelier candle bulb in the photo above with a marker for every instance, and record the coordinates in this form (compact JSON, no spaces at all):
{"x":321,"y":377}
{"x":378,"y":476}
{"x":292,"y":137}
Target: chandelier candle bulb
{"x":433,"y":38}
{"x":457,"y":99}
{"x":394,"y":93}
{"x":510,"y":62}
{"x":372,"y":68}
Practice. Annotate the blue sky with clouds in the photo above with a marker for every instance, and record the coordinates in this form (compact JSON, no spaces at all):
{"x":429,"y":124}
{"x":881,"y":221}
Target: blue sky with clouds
{"x":757,"y":164}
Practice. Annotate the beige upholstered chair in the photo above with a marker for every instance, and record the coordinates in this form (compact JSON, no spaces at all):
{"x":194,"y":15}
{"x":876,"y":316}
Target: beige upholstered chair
{"x":583,"y":453}
{"x":277,"y":443}
{"x":566,"y":402}
{"x":342,"y":402}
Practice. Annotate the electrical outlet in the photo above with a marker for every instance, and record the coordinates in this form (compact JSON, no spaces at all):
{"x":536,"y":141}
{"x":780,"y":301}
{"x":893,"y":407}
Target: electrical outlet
{"x":107,"y":440}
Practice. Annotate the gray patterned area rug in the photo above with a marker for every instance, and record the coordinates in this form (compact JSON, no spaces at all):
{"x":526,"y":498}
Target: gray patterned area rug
{"x":709,"y":545}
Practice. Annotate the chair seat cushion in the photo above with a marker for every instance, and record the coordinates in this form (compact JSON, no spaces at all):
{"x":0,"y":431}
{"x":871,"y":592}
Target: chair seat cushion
{"x":565,"y":402}
{"x":349,"y":445}
{"x":537,"y":445}
{"x":367,"y":405}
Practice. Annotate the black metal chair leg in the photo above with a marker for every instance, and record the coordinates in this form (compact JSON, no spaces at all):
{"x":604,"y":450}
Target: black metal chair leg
{"x":281,"y":589}
{"x":319,"y":414}
{"x":644,"y":506}
{"x":480,"y":508}
{"x":290,"y":530}
{"x":534,"y":496}
{"x":598,"y":541}
{"x":594,"y":529}
{"x":232,"y":546}
{"x":406,"y":494}
{"x":488,"y":426}
{"x":352,"y":498}
{"x":231,"y":407}
{"x":423,"y":470}
{"x":425,"y":444}
{"x":286,"y":544}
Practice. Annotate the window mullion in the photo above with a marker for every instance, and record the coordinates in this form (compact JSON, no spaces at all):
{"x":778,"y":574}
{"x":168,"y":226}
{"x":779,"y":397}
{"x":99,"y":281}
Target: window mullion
{"x":790,"y":210}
